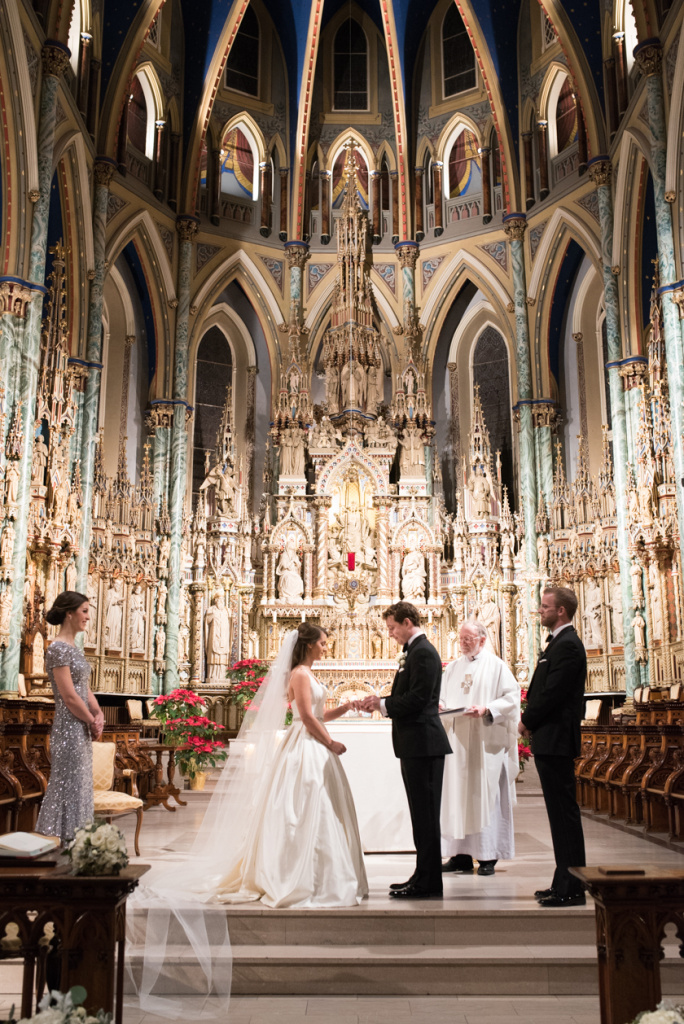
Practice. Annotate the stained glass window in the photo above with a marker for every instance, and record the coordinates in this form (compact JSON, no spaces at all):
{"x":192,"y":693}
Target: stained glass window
{"x":350,"y":67}
{"x":457,"y":54}
{"x":242,"y":66}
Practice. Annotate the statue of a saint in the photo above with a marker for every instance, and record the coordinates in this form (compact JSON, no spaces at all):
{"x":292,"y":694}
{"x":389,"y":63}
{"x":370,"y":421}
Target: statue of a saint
{"x":489,"y":615}
{"x":332,"y":389}
{"x":159,"y":644}
{"x":645,"y":493}
{"x":542,"y":551}
{"x":412,"y":458}
{"x":91,"y":628}
{"x":639,"y":626}
{"x":60,"y":497}
{"x":11,"y":482}
{"x":114,"y":616}
{"x":224,"y":492}
{"x":289,"y":569}
{"x":658,"y":627}
{"x":335,"y":531}
{"x":164,"y":551}
{"x":618,"y":629}
{"x":136,"y":621}
{"x":413,"y":575}
{"x":593,"y":634}
{"x":373,"y":393}
{"x":292,"y":453}
{"x":5,"y":609}
{"x":376,"y":646}
{"x":217,"y":638}
{"x":353,"y":380}
{"x":39,"y":461}
{"x":480,"y":492}
{"x":7,"y":545}
{"x":637,"y":585}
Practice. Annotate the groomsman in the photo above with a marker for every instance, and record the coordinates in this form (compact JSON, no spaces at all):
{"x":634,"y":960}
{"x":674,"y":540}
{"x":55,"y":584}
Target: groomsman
{"x":552,"y":718}
{"x":420,"y":743}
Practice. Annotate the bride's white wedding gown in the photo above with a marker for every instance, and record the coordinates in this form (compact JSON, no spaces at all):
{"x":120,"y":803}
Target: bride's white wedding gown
{"x":302,"y":848}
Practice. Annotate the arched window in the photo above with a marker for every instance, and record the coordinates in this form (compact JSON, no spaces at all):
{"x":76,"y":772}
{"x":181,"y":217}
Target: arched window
{"x":238,"y":165}
{"x":214,"y":373}
{"x":566,"y":117}
{"x":350,"y":67}
{"x":74,"y":40}
{"x":458,"y":57}
{"x":490,"y":371}
{"x":242,"y":66}
{"x":137,"y":116}
{"x":384,"y":185}
{"x":428,"y":190}
{"x":464,"y":167}
{"x":338,"y":181}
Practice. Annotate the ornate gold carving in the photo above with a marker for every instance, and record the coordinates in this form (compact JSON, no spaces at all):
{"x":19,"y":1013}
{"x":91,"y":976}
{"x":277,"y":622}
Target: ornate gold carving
{"x":670,"y":197}
{"x":600,"y":172}
{"x":187,"y":228}
{"x":297,"y":255}
{"x":515,"y":228}
{"x":407,"y":255}
{"x":55,"y":59}
{"x":678,"y":298}
{"x":34,"y":195}
{"x":104,"y":172}
{"x":649,"y":59}
{"x":14,"y":298}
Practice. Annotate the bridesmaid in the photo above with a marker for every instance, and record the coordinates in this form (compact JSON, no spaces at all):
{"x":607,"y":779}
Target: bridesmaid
{"x":68,"y":802}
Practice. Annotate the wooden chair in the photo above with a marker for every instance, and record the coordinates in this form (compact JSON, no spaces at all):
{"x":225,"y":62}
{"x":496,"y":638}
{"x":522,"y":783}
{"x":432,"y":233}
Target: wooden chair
{"x":107,"y":803}
{"x":136,"y":717}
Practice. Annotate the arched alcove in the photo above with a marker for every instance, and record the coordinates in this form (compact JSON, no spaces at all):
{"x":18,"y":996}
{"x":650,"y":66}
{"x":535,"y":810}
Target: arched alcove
{"x":213,"y":376}
{"x":491,"y":375}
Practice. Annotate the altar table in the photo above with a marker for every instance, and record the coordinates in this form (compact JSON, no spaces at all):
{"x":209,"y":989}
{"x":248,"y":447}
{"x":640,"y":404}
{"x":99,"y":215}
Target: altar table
{"x":377,"y":787}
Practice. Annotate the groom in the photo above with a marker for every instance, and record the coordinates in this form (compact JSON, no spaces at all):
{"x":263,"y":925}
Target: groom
{"x":420,"y":743}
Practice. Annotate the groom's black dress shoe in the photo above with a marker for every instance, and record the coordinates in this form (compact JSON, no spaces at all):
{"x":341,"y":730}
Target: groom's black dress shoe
{"x":462,"y":863}
{"x":412,"y":892}
{"x":543,"y":894}
{"x":486,"y":867}
{"x":396,"y":886}
{"x":576,"y":900}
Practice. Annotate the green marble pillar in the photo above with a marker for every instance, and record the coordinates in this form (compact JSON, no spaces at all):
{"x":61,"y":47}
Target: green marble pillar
{"x":55,"y":57}
{"x":600,"y":170}
{"x":514,"y":226}
{"x":187,"y":228}
{"x":297,"y":254}
{"x":649,"y":59}
{"x":159,"y":421}
{"x":544,"y":417}
{"x":408,"y":256}
{"x":104,"y":169}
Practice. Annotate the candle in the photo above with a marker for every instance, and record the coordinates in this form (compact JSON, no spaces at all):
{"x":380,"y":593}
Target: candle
{"x":351,"y":560}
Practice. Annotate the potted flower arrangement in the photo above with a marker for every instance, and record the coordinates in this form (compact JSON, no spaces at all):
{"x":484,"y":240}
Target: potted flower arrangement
{"x":57,"y":1008}
{"x":97,"y":848}
{"x":245,"y":678}
{"x":198,"y":748}
{"x":173,"y":706}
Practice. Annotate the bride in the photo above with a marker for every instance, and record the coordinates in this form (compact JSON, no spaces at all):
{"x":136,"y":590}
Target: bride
{"x":302,"y":847}
{"x":280,"y":828}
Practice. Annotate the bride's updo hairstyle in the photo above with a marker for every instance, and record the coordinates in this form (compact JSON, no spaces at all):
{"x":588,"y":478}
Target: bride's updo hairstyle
{"x":308,"y":634}
{"x":67,"y":601}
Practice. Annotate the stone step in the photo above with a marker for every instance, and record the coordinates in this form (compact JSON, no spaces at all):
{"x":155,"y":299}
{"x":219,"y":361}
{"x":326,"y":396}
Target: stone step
{"x":533,"y":969}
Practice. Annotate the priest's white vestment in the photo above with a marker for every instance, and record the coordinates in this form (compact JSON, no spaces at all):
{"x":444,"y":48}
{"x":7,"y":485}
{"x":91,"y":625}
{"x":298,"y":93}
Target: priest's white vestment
{"x":478,"y":792}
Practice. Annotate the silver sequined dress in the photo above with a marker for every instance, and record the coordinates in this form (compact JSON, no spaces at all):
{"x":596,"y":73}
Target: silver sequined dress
{"x":68,"y":802}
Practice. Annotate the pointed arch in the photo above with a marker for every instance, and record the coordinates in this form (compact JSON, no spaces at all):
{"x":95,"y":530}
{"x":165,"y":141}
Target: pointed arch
{"x":276,"y":145}
{"x":72,"y":143}
{"x":675,"y":125}
{"x":249,"y":126}
{"x":338,"y":144}
{"x":561,"y":220}
{"x":143,"y":223}
{"x":462,"y":262}
{"x":425,"y":146}
{"x":385,"y":152}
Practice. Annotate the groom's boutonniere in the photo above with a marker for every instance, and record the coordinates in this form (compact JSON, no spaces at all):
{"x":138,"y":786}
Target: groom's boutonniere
{"x":401,"y":661}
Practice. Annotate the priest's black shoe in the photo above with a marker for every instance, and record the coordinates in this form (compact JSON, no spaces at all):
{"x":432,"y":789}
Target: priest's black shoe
{"x":395,"y":886}
{"x":577,"y":900}
{"x":543,"y":894}
{"x":486,"y":867}
{"x":462,"y":863}
{"x":412,"y":892}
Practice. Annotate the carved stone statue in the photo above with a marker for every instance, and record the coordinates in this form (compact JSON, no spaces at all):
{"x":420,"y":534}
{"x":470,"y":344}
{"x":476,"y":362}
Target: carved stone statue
{"x":289,"y":569}
{"x":221,"y":481}
{"x":353,"y":380}
{"x":645,"y":493}
{"x":11,"y":482}
{"x":638,"y":624}
{"x":376,"y":646}
{"x":159,"y":644}
{"x":292,"y":453}
{"x":373,"y":392}
{"x":480,"y":492}
{"x":39,"y":461}
{"x":413,"y":575}
{"x":335,"y":531}
{"x":114,"y":615}
{"x":593,"y":633}
{"x":217,"y":638}
{"x":489,"y":615}
{"x":542,"y":551}
{"x":164,"y":551}
{"x":617,"y":620}
{"x":109,"y":536}
{"x":136,"y":621}
{"x":637,"y":585}
{"x":657,"y":618}
{"x":5,"y":609}
{"x":379,"y":435}
{"x":91,"y":630}
{"x":332,"y":389}
{"x":412,"y":453}
{"x":7,"y":546}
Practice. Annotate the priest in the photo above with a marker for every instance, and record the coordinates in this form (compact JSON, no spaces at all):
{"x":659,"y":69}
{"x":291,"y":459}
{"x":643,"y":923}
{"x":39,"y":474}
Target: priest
{"x":479,"y":780}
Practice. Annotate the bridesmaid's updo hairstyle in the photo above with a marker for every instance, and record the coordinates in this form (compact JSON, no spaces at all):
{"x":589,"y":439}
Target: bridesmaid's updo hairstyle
{"x":67,"y":601}
{"x":308,"y":634}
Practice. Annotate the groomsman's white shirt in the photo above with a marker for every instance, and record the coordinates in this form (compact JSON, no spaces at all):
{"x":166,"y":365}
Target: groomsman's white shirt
{"x":383,"y":710}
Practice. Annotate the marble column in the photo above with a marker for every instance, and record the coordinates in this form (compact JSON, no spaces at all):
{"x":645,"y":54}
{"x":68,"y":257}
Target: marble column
{"x":187,"y":228}
{"x":282,"y":234}
{"x":55,"y":57}
{"x":542,"y":140}
{"x":633,"y":373}
{"x":159,"y":421}
{"x":375,"y":201}
{"x":326,"y":179}
{"x":582,"y":384}
{"x":420,"y":232}
{"x":408,"y":256}
{"x":514,"y":226}
{"x":104,"y":170}
{"x":486,"y":185}
{"x":544,"y":415}
{"x":600,"y":171}
{"x":394,"y":176}
{"x":437,"y":181}
{"x":297,"y":255}
{"x":265,"y":169}
{"x":649,"y":59}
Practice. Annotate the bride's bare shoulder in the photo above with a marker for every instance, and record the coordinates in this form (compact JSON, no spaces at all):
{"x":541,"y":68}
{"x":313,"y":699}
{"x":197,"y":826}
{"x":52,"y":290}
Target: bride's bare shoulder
{"x":300,"y":674}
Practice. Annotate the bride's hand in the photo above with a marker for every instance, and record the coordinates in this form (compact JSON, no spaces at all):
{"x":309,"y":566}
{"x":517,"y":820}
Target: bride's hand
{"x":338,"y":748}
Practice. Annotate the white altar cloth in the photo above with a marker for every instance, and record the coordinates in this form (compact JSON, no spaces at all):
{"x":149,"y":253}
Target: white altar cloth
{"x":376,"y":784}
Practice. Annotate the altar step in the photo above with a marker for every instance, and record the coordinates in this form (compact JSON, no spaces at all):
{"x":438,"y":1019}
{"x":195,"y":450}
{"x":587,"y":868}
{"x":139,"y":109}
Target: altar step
{"x":414,"y":952}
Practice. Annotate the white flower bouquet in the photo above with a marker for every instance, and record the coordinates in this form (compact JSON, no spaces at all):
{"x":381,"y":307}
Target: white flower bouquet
{"x":661,"y":1015}
{"x":56,"y":1008}
{"x":97,"y":849}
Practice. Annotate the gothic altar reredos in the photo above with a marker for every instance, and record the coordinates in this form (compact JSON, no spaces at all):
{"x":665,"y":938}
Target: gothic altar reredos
{"x":352,"y":517}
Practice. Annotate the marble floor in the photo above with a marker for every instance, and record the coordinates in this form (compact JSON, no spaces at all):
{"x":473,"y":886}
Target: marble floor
{"x":508,"y":891}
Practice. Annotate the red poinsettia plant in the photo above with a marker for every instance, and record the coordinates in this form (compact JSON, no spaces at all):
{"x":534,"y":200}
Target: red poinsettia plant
{"x":176,"y":705}
{"x":524,"y":751}
{"x":245,"y":678}
{"x":198,"y":748}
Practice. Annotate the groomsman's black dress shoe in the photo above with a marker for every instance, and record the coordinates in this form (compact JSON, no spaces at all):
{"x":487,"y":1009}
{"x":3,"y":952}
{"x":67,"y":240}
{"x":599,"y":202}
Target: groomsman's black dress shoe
{"x":395,"y":886}
{"x":486,"y":867}
{"x":576,"y":900}
{"x":462,"y":863}
{"x":543,"y":894}
{"x":412,"y":892}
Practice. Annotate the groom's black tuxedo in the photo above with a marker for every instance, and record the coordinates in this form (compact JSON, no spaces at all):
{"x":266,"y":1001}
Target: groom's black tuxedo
{"x":421,"y":743}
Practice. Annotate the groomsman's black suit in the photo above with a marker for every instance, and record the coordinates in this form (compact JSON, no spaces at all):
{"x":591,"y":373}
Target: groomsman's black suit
{"x":554,"y":712}
{"x":421,"y":743}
